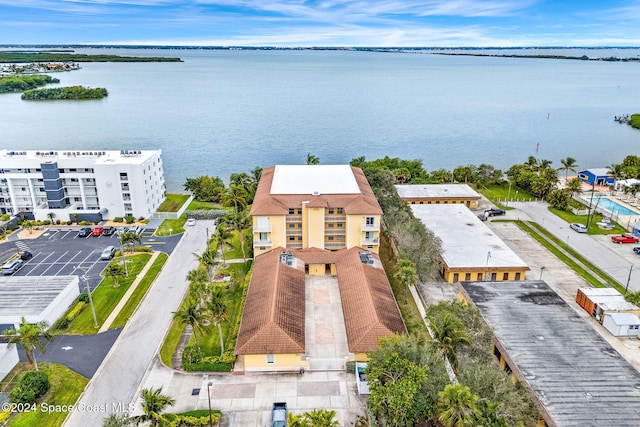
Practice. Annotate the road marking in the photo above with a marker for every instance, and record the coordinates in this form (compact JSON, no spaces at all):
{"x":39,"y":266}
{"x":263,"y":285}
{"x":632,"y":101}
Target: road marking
{"x":67,"y":348}
{"x":54,"y":263}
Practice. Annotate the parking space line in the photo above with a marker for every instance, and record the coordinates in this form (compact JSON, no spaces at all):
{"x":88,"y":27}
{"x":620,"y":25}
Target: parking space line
{"x":54,"y":263}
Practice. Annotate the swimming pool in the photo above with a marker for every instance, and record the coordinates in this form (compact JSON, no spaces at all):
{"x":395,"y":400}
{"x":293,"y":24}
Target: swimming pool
{"x":613,"y":207}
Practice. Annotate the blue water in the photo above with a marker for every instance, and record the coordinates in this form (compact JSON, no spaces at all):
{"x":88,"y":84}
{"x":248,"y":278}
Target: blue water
{"x":221,"y":112}
{"x":614,"y":207}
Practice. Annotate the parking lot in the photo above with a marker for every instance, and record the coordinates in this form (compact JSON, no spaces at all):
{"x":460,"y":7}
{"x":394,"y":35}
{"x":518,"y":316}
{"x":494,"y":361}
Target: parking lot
{"x":60,"y":252}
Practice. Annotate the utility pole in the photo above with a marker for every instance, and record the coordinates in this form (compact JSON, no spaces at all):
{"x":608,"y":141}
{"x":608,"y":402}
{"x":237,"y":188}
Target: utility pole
{"x":86,"y":282}
{"x":626,"y":288}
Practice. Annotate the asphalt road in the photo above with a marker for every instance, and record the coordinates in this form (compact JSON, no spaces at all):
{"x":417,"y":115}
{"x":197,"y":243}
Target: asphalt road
{"x":118,"y":379}
{"x":614,"y":259}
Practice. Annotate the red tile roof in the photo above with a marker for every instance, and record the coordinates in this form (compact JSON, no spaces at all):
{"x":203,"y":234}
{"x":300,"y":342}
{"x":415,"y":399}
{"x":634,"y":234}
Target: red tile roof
{"x":266,"y":203}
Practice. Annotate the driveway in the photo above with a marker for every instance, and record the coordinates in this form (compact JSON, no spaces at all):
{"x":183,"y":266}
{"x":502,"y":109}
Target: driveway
{"x":616,"y":260}
{"x":118,"y":380}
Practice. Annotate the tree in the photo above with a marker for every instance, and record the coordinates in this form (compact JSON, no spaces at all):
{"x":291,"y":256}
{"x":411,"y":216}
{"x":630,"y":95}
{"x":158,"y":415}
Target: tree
{"x":449,"y":333}
{"x":114,"y":270}
{"x":51,"y":216}
{"x":312,"y":160}
{"x":205,"y":188}
{"x":568,"y":164}
{"x":218,"y":312}
{"x":130,"y":239}
{"x":463,"y":173}
{"x":574,"y":187}
{"x":320,"y":418}
{"x":457,"y":406}
{"x":235,"y":195}
{"x":406,"y":274}
{"x":396,"y":374}
{"x":198,"y":275}
{"x":223,"y":238}
{"x":153,"y":404}
{"x":29,"y":226}
{"x":29,"y":337}
{"x":114,"y":420}
{"x":239,"y":222}
{"x":441,"y":176}
{"x":295,"y":420}
{"x":208,"y":258}
{"x":194,"y":315}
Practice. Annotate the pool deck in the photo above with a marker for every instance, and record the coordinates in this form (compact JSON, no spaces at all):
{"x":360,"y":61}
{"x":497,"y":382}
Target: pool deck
{"x":631,"y":203}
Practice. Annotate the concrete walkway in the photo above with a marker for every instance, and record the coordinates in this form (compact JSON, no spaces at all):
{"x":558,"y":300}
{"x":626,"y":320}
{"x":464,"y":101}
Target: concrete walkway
{"x":117,"y":383}
{"x":125,"y":298}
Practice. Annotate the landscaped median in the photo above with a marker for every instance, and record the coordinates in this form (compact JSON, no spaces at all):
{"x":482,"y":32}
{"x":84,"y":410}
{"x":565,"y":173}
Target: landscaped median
{"x":79,"y":318}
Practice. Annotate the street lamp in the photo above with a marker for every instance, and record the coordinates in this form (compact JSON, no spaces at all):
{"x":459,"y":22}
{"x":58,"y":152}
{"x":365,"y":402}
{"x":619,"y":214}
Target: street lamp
{"x":209,"y":384}
{"x":541,"y":270}
{"x":86,"y":282}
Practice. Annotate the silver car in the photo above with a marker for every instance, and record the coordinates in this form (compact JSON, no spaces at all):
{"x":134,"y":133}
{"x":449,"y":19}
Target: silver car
{"x":12,"y":266}
{"x":580,"y":228}
{"x":108,"y":253}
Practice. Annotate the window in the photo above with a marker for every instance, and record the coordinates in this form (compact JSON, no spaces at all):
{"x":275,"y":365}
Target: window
{"x":505,"y":276}
{"x":271,"y":359}
{"x":292,"y":238}
{"x":479,"y":276}
{"x":123,"y":176}
{"x":339,"y":237}
{"x":262,"y":236}
{"x":517,"y":276}
{"x":340,"y":211}
{"x":331,"y":211}
{"x":299,"y":211}
{"x":456,"y":277}
{"x":292,"y":211}
{"x":330,"y":225}
{"x":292,"y":225}
{"x":370,"y":220}
{"x":331,"y":238}
{"x":467,"y":276}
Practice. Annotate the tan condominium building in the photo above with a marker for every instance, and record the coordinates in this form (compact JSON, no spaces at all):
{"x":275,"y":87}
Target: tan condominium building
{"x":329,"y":207}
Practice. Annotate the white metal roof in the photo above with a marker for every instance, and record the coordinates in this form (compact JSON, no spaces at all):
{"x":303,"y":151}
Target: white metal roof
{"x":597,"y":171}
{"x":624,"y":318}
{"x":314,"y":179}
{"x":81,"y":157}
{"x":30,"y":295}
{"x":466,"y":241}
{"x":435,"y":191}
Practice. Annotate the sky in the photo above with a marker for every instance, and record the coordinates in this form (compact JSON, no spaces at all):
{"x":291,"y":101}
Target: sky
{"x":290,"y":23}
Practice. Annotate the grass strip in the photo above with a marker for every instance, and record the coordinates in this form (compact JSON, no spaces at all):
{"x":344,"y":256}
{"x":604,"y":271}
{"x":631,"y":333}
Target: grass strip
{"x":575,"y":261}
{"x":140,"y":291}
{"x":172,"y":339}
{"x":65,"y":388}
{"x":106,"y":297}
{"x":173,"y":202}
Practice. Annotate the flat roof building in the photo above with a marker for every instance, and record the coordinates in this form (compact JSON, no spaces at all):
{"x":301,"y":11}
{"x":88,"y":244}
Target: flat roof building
{"x":81,"y":185}
{"x":427,"y":194}
{"x":575,"y":376}
{"x":470,"y":249}
{"x":36,"y":298}
{"x":315,"y":206}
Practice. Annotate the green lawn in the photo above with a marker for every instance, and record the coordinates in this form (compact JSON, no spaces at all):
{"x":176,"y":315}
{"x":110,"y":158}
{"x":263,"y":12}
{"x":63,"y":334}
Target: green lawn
{"x":234,"y":251}
{"x":582,"y":219}
{"x":173,"y":202}
{"x":171,"y":226}
{"x":197,"y":205}
{"x":498,"y":193}
{"x":140,"y":291}
{"x":65,"y":388}
{"x":106,"y":297}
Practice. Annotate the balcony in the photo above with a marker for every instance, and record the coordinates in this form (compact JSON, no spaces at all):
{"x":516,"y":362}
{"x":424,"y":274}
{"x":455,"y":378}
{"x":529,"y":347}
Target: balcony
{"x":370,"y":227}
{"x":262,"y":242}
{"x":262,"y":228}
{"x":294,"y":245}
{"x":341,"y":218}
{"x":294,"y":218}
{"x":370,"y":241}
{"x":334,"y":245}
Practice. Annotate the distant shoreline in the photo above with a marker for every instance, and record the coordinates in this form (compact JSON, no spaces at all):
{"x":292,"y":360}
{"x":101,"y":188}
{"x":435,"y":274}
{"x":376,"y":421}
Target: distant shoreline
{"x":578,"y":58}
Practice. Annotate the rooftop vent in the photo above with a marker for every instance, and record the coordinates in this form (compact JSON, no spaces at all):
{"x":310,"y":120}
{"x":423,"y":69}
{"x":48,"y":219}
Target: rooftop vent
{"x":316,"y":193}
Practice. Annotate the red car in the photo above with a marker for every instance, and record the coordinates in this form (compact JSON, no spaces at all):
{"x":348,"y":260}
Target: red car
{"x":625,"y":238}
{"x":97,"y":231}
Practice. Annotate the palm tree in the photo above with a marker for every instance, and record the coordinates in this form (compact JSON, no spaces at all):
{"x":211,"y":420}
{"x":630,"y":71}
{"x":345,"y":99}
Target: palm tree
{"x":218,"y":311}
{"x":114,"y":420}
{"x":239,"y":222}
{"x":28,"y":336}
{"x":321,"y":418}
{"x":223,"y":238}
{"x":457,"y":406}
{"x":194,"y":315}
{"x":51,"y":216}
{"x":198,"y":275}
{"x":130,"y":239}
{"x":235,"y":195}
{"x":208,"y":258}
{"x":153,"y":404}
{"x":295,"y":420}
{"x":449,"y":334}
{"x":574,"y":187}
{"x":114,"y":270}
{"x":406,"y":274}
{"x":568,"y":164}
{"x":312,"y":160}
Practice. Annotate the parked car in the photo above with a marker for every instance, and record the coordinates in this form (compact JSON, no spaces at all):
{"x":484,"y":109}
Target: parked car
{"x":108,"y":230}
{"x":625,"y":238}
{"x":190,"y":222}
{"x":12,"y":266}
{"x":494,"y":212}
{"x":97,"y":231}
{"x":279,"y":414}
{"x":580,"y":228}
{"x":138,"y":230}
{"x":25,"y":255}
{"x":637,"y":250}
{"x":84,"y":232}
{"x":108,"y":253}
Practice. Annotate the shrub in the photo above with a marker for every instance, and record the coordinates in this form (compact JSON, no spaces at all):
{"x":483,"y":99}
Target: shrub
{"x":63,"y":323}
{"x":130,"y":219}
{"x":118,"y":219}
{"x":69,"y":222}
{"x":57,"y":222}
{"x":84,"y":297}
{"x":75,"y":310}
{"x":31,"y":386}
{"x":46,"y":222}
{"x":4,"y":416}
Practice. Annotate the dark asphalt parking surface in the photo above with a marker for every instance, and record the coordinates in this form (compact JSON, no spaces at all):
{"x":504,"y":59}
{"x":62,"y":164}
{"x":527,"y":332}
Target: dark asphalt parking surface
{"x":81,"y":353}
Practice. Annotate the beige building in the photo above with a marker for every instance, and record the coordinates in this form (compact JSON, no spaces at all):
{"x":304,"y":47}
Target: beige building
{"x":439,"y":194}
{"x":329,"y":207}
{"x":278,"y":333}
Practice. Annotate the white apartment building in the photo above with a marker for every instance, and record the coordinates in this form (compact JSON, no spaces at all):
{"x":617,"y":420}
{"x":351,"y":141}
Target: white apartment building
{"x":81,"y":185}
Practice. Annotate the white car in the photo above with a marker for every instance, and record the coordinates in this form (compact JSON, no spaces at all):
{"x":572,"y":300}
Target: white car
{"x":191,"y":222}
{"x":580,"y":228}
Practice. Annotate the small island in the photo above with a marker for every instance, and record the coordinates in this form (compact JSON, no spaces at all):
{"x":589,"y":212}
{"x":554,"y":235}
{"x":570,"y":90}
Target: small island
{"x":21,"y":57}
{"x":634,"y":121}
{"x":72,"y":93}
{"x":22,"y":82}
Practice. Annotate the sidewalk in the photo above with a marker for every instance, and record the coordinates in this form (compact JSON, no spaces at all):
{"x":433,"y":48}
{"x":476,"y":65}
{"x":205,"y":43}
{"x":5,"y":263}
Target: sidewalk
{"x":125,"y":298}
